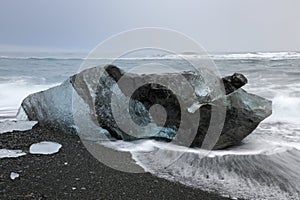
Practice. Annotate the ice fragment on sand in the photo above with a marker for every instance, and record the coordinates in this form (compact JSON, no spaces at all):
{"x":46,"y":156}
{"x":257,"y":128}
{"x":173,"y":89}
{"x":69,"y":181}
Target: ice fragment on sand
{"x":14,"y":175}
{"x":9,"y":126}
{"x":45,"y":147}
{"x":7,"y":153}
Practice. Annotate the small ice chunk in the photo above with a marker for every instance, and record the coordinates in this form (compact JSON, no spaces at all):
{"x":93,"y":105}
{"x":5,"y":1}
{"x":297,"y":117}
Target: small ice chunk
{"x":193,"y":108}
{"x":7,"y":153}
{"x":9,"y":126}
{"x":45,"y":147}
{"x":21,"y":115}
{"x":14,"y":175}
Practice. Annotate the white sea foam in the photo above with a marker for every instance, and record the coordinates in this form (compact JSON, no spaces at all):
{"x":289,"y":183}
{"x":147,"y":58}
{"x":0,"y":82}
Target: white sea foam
{"x":12,"y":93}
{"x":244,"y":176}
{"x":259,"y":55}
{"x":40,"y":58}
{"x":252,"y":170}
{"x":227,"y":56}
{"x":230,"y":56}
{"x":285,"y":109}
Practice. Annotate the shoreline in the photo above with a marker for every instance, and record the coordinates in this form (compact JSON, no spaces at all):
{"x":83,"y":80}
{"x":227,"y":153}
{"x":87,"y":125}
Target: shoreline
{"x":73,"y":173}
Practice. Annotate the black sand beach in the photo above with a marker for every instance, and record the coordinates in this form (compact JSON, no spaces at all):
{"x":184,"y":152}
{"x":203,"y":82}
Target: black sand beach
{"x":73,"y":173}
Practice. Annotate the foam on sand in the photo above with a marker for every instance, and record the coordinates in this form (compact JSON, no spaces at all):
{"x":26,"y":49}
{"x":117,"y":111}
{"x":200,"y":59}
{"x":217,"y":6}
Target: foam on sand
{"x":256,"y":165}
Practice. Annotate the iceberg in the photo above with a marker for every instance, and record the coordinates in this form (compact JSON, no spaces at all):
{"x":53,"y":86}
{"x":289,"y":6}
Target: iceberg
{"x":192,"y":109}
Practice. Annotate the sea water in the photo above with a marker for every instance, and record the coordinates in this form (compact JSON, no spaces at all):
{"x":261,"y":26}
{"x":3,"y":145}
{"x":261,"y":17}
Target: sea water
{"x":265,"y":166}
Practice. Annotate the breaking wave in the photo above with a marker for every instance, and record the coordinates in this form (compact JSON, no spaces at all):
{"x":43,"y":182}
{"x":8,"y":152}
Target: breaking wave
{"x":227,"y":56}
{"x":258,"y":169}
{"x":286,"y":109}
{"x":12,"y":93}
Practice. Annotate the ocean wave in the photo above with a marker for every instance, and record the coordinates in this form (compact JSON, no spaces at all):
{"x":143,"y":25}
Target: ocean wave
{"x":258,"y":169}
{"x":256,"y":176}
{"x":259,"y":55}
{"x":230,"y":56}
{"x":11,"y":101}
{"x":39,"y":58}
{"x":172,"y":57}
{"x":285,"y":109}
{"x":24,"y":80}
{"x":227,"y":56}
{"x":89,"y":58}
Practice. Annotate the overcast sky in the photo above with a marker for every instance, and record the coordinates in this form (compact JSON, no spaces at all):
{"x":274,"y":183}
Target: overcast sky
{"x":219,"y":25}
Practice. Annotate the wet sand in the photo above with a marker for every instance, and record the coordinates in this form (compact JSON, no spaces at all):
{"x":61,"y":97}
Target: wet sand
{"x":73,"y":173}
